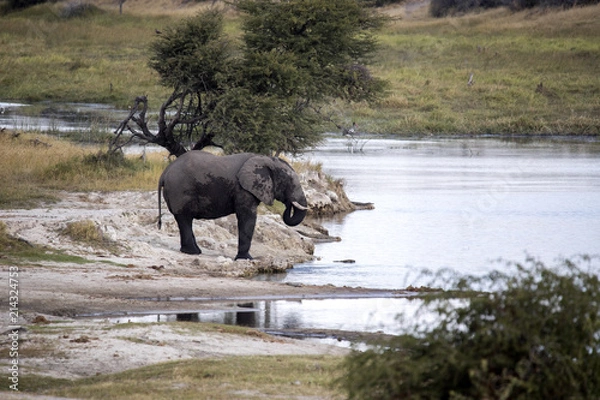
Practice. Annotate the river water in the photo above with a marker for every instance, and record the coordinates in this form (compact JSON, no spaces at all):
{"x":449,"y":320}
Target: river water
{"x":455,"y":203}
{"x":439,"y":203}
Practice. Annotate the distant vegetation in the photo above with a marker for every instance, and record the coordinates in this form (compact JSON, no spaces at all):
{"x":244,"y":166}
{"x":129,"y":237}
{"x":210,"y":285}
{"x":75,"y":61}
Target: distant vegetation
{"x":498,"y":72}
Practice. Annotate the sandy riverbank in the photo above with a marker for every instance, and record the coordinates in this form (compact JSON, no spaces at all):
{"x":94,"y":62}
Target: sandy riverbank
{"x":135,"y":265}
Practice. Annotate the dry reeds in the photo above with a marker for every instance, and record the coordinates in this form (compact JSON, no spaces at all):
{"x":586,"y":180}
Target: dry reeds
{"x":32,"y":166}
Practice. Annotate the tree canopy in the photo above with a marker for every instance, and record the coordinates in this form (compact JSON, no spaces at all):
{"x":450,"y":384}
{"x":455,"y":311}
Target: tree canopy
{"x":264,"y":91}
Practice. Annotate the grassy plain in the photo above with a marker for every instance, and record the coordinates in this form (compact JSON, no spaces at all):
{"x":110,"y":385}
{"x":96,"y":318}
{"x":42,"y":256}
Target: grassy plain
{"x":533,"y":72}
{"x":101,"y":56}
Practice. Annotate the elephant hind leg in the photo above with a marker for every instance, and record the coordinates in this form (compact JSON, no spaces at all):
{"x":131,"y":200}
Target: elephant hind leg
{"x":186,"y":234}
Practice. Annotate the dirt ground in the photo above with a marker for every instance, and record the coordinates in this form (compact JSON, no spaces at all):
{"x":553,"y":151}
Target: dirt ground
{"x":133,"y":266}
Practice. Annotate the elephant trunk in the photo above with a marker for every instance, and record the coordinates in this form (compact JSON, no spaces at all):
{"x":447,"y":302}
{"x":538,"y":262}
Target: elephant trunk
{"x":294,"y":213}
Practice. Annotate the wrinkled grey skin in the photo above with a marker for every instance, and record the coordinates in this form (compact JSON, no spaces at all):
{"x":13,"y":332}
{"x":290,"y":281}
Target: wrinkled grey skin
{"x":199,"y":185}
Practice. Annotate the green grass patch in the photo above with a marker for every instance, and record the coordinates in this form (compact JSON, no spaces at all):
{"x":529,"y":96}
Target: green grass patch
{"x":227,"y":378}
{"x":429,"y":63}
{"x":96,"y":57}
{"x":14,"y":250}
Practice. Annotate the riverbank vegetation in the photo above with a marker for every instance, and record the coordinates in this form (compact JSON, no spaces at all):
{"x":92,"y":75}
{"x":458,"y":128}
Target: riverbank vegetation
{"x":528,"y":331}
{"x":493,"y":72}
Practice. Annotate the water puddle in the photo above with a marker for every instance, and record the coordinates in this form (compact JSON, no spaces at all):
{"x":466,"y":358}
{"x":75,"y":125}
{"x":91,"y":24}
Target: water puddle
{"x":339,"y":321}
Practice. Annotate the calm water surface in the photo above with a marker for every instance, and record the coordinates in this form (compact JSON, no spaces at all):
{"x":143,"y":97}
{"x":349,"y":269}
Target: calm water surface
{"x":459,"y":204}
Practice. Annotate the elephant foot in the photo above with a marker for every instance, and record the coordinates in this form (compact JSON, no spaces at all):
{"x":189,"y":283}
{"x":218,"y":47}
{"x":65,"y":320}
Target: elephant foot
{"x":191,"y":250}
{"x":245,"y":256}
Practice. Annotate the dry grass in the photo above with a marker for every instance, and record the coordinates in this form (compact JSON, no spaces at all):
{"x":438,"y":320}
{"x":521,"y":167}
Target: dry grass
{"x":33,"y":166}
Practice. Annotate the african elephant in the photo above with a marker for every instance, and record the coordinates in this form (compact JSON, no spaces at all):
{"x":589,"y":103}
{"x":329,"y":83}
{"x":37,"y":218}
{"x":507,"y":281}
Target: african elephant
{"x":199,"y":185}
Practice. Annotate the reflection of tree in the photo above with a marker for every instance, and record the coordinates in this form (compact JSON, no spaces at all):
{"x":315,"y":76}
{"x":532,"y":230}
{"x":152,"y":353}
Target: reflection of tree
{"x":356,"y":144}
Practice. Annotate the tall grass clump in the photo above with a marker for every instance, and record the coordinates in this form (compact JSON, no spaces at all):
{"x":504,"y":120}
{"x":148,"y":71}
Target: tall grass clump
{"x":531,"y":333}
{"x":87,"y":232}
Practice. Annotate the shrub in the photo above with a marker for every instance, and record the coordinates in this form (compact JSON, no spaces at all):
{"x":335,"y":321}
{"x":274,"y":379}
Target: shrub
{"x":533,"y":334}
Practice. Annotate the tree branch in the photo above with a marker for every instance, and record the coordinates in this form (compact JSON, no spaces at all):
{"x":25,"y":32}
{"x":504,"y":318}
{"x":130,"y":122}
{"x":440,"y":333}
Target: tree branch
{"x":164,"y":137}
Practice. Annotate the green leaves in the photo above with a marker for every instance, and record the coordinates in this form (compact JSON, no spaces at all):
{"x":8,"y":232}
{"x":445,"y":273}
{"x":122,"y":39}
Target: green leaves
{"x":324,"y":39}
{"x":194,"y":55}
{"x":532,"y":333}
{"x":262,"y":96}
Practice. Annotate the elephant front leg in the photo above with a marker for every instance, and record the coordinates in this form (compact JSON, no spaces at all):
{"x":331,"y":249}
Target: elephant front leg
{"x":186,"y":235}
{"x":246,"y":223}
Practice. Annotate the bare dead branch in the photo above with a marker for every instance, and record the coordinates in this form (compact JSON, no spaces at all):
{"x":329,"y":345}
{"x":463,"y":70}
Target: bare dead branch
{"x":164,"y":137}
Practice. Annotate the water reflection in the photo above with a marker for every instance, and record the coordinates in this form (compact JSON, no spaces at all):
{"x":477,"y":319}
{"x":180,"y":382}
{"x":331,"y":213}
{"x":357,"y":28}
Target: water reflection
{"x":360,"y":315}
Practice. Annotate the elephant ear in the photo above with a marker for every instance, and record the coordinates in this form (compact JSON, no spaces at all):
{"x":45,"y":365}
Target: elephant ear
{"x":255,"y":177}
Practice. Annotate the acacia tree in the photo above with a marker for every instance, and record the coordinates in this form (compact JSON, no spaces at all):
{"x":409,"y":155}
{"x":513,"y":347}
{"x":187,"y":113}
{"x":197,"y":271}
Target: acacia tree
{"x":263,"y":93}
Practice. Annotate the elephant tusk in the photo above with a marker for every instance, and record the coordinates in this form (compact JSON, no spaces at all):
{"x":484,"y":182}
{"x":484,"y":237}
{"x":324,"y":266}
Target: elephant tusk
{"x":299,"y":206}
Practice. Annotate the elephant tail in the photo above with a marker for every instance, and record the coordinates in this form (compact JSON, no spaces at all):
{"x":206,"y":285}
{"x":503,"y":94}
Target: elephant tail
{"x":160,"y":185}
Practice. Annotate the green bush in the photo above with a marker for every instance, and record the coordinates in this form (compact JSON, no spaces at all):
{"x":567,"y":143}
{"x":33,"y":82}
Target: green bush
{"x":533,"y":333}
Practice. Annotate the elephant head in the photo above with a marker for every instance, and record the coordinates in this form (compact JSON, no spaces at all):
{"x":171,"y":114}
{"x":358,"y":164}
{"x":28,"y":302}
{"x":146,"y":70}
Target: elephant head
{"x":269,"y":179}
